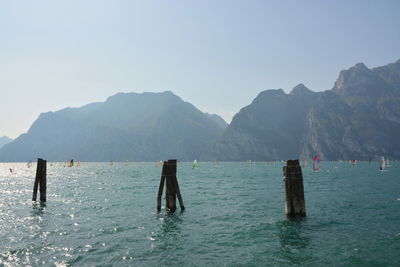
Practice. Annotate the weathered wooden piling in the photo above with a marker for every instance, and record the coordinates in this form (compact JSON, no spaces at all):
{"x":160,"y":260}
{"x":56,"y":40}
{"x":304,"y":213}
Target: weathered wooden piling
{"x":178,"y":193}
{"x":161,"y":187}
{"x":40,"y":181}
{"x":168,"y":176}
{"x":294,"y":204}
{"x":171,"y":189}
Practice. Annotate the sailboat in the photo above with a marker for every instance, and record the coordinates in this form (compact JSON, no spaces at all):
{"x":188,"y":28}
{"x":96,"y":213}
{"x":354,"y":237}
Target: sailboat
{"x":387,"y":162}
{"x":304,"y":163}
{"x":195,"y":164}
{"x":383,"y":164}
{"x":316,"y":161}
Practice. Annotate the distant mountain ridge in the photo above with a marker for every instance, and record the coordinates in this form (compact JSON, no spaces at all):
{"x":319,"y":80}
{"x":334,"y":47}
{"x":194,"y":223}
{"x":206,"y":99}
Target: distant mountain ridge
{"x":218,"y":119}
{"x":359,"y":118}
{"x":4,"y":140}
{"x":127,"y":126}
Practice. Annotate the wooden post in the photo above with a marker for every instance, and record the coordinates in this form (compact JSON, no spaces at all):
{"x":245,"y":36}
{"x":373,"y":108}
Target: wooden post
{"x":40,"y":181}
{"x":178,"y":192}
{"x":43,"y":182}
{"x":161,"y":188}
{"x":37,"y":179}
{"x":172,"y":188}
{"x":294,"y":204}
{"x":171,"y":171}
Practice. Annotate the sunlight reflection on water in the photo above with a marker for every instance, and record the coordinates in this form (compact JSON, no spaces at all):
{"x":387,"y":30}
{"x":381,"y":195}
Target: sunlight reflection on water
{"x":102,"y":214}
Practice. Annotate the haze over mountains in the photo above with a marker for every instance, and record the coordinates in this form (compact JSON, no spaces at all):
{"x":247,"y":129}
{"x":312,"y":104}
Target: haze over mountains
{"x":134,"y":127}
{"x":359,"y":118}
{"x":4,"y":140}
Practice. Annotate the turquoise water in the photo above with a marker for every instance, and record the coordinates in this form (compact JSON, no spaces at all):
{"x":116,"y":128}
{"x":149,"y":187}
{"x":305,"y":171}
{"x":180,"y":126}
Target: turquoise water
{"x":103,"y":215}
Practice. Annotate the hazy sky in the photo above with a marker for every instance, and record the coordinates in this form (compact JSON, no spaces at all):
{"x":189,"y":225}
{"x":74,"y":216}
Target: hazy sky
{"x":217,"y":55}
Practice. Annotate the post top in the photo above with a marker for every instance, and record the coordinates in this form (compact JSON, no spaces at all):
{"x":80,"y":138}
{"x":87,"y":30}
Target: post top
{"x":293,"y":163}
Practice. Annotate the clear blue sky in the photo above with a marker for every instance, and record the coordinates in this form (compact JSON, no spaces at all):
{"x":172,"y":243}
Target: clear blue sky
{"x":217,"y":55}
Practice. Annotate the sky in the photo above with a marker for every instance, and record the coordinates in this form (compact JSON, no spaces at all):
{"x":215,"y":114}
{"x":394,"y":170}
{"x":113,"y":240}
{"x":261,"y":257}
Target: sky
{"x":218,"y":55}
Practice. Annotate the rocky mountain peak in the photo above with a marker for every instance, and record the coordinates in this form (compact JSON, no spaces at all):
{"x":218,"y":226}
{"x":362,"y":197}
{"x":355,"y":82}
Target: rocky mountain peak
{"x":300,"y":89}
{"x":127,"y":126}
{"x":390,"y":73}
{"x":360,"y":67}
{"x":359,"y":118}
{"x":347,"y":76}
{"x":361,"y":81}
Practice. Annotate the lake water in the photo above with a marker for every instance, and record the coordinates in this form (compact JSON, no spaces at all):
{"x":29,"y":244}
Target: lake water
{"x":103,"y":215}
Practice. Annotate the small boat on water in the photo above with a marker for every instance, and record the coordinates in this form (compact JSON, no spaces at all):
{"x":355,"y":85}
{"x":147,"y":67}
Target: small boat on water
{"x":383,"y":164}
{"x":316,"y":161}
{"x":195,"y":164}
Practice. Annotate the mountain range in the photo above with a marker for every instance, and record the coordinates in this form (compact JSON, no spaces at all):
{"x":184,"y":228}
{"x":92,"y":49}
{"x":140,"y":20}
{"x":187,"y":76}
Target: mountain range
{"x":4,"y":140}
{"x":127,"y":126}
{"x":359,"y":118}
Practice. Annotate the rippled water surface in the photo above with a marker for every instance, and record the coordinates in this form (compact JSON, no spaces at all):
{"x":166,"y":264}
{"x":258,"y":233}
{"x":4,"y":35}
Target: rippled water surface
{"x":98,"y":214}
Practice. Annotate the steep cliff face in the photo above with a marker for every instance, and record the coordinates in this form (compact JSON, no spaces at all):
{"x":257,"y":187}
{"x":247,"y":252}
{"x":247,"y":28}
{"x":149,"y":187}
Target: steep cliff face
{"x":359,"y":82}
{"x":373,"y":96}
{"x":329,"y":130}
{"x":358,"y":119}
{"x":271,"y":127}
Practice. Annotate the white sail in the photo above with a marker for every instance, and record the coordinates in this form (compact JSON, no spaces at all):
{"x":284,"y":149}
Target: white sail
{"x":383,"y":163}
{"x":195,"y":164}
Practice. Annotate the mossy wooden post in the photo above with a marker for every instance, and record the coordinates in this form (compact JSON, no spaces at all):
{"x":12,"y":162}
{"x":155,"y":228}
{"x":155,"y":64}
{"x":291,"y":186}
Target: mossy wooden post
{"x":294,"y":204}
{"x":172,"y":187}
{"x":40,"y":181}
